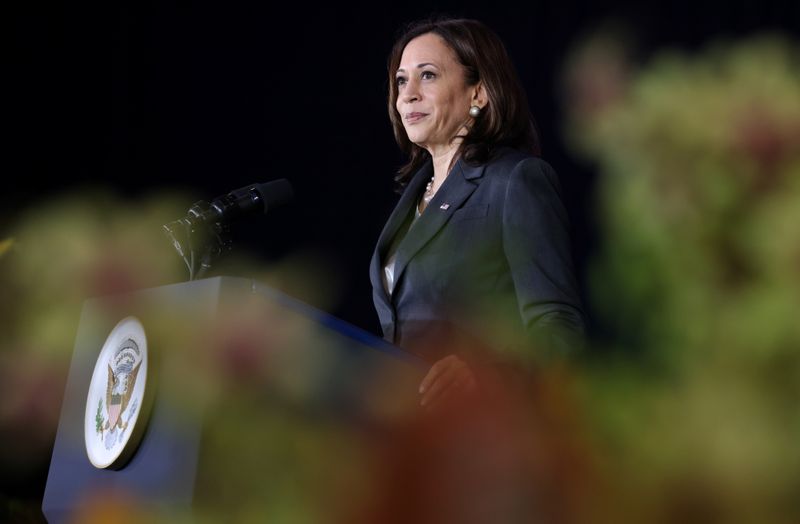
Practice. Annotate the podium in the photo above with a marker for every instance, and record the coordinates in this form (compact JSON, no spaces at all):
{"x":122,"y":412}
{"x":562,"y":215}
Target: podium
{"x":251,"y":399}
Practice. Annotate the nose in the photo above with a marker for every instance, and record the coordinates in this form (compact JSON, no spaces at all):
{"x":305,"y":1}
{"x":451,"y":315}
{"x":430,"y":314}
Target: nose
{"x":410,"y":92}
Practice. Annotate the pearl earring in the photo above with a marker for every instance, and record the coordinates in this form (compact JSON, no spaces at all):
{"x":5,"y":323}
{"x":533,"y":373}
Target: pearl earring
{"x":474,"y":111}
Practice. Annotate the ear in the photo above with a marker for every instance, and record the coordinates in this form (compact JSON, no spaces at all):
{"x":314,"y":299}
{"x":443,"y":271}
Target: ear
{"x":479,"y":96}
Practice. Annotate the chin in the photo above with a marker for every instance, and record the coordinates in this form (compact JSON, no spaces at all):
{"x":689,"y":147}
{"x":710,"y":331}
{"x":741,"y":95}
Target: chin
{"x":416,"y":138}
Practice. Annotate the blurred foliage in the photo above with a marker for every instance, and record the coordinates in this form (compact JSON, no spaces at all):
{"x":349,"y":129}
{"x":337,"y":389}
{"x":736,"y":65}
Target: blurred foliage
{"x":261,"y":458}
{"x":688,"y":414}
{"x":697,"y":400}
{"x":55,"y":256}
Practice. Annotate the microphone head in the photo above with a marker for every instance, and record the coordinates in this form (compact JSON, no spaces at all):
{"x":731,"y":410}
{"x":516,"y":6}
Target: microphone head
{"x":275,"y":193}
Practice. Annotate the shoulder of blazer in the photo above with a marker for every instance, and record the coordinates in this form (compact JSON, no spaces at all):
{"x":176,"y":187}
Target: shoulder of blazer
{"x":507,"y":160}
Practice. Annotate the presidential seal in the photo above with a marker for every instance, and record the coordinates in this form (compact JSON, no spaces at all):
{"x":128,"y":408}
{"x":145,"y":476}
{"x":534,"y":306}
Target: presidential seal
{"x":116,"y":396}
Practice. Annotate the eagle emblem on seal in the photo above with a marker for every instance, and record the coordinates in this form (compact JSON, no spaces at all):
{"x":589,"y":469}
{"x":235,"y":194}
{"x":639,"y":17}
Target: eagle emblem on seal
{"x":123,"y":368}
{"x":118,"y":397}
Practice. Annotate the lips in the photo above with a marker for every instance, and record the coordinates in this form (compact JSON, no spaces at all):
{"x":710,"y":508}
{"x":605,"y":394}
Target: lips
{"x":414,"y":117}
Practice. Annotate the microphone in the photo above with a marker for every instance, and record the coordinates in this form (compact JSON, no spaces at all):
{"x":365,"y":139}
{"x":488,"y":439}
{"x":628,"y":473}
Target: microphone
{"x":202,"y":235}
{"x":250,"y":199}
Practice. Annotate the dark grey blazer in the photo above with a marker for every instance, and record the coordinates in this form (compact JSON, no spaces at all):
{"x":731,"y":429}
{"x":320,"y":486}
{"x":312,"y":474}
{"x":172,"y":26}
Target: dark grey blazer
{"x":491,"y":249}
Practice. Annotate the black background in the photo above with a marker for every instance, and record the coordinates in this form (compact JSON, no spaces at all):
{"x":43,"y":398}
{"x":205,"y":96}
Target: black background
{"x":209,"y":97}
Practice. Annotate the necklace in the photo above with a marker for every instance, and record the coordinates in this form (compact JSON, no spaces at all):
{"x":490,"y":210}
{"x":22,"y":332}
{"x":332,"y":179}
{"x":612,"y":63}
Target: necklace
{"x":428,"y":195}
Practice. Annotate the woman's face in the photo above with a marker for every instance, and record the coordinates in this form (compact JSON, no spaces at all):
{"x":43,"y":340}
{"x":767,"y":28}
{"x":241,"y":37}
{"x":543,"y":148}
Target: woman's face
{"x":433,"y":98}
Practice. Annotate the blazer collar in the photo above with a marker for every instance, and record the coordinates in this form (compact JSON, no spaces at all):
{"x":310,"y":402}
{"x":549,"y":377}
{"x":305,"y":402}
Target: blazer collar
{"x":404,"y":207}
{"x":457,"y":187}
{"x":396,"y":220}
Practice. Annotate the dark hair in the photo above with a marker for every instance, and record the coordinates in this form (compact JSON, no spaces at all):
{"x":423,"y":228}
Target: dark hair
{"x":506,"y":119}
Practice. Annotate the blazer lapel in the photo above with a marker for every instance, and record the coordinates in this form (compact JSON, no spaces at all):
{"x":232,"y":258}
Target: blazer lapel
{"x":401,"y":212}
{"x":458,"y":186}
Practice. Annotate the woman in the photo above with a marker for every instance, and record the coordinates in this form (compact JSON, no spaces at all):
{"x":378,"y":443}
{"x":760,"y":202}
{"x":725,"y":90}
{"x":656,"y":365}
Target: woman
{"x":476,"y":252}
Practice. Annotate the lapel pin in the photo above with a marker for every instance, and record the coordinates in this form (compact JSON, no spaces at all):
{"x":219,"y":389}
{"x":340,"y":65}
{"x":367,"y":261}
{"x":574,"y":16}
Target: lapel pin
{"x":444,"y":206}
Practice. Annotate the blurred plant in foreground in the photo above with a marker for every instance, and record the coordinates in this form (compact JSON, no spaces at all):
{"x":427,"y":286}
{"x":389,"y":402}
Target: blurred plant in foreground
{"x":92,"y":244}
{"x":697,"y":402}
{"x":55,"y":256}
{"x":694,"y":409}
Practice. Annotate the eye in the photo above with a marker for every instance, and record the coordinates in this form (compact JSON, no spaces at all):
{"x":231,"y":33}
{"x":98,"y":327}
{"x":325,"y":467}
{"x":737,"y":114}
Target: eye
{"x":428,"y":75}
{"x":400,"y":80}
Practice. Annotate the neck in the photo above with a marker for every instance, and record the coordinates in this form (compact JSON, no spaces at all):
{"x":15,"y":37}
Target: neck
{"x":443,"y":157}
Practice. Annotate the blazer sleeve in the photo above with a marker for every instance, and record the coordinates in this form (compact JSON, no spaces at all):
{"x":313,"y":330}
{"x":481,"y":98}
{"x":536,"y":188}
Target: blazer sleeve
{"x":537,"y":247}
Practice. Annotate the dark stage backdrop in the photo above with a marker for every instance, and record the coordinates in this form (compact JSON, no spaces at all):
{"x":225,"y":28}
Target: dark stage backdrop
{"x":208,"y":97}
